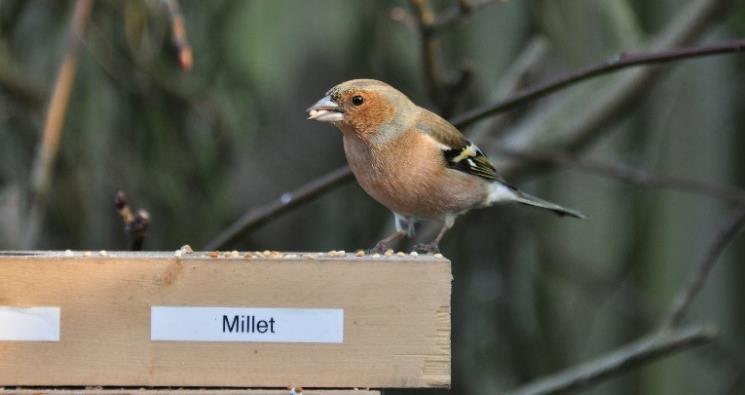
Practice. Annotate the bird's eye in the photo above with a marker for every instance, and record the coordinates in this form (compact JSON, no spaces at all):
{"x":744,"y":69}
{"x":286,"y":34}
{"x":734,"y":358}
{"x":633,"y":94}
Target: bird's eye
{"x":358,"y":100}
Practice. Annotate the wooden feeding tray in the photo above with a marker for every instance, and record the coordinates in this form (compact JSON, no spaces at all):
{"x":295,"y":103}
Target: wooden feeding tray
{"x":241,"y":320}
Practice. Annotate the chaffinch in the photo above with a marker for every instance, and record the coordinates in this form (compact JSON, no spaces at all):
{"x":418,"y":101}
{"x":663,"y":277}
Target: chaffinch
{"x":413,"y":161}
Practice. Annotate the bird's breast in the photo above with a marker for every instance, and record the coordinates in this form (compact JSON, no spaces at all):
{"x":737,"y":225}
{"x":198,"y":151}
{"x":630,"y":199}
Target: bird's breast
{"x":409,"y":177}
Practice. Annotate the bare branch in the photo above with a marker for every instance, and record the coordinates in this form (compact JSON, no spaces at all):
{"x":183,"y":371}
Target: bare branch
{"x":286,"y":202}
{"x":620,"y":61}
{"x":619,"y":361}
{"x":726,"y":233}
{"x":55,"y":118}
{"x":135,"y":223}
{"x":443,"y":90}
{"x":425,"y":17}
{"x":575,"y":124}
{"x":630,"y":175}
{"x":178,"y":35}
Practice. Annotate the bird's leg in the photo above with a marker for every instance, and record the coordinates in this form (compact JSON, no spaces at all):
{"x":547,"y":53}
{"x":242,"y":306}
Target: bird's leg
{"x":383,"y":245}
{"x":404,"y":227}
{"x":432,"y":247}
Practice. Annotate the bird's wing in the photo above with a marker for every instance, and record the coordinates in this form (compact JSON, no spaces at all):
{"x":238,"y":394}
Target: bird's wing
{"x":459,"y":153}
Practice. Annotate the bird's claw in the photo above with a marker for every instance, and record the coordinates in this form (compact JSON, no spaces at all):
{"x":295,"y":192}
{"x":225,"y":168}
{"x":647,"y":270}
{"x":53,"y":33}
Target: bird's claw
{"x":380,"y":248}
{"x":427,"y":248}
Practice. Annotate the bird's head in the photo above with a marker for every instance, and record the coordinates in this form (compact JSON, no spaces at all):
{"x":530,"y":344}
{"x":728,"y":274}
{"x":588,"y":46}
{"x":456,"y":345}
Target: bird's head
{"x":367,"y":108}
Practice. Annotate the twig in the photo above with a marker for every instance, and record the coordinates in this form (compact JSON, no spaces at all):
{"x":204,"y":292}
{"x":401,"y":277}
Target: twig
{"x":443,"y":91}
{"x":178,"y":35}
{"x":578,"y":123}
{"x":620,"y":61}
{"x":286,"y":202}
{"x":630,"y":175}
{"x":55,"y":118}
{"x":619,"y":361}
{"x":723,"y":237}
{"x":135,"y":224}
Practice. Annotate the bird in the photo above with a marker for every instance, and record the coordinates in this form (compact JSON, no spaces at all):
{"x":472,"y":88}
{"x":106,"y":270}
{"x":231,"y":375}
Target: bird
{"x":413,"y":161}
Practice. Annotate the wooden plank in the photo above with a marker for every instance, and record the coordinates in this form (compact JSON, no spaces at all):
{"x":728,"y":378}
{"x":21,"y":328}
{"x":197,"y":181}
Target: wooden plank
{"x":396,"y":320}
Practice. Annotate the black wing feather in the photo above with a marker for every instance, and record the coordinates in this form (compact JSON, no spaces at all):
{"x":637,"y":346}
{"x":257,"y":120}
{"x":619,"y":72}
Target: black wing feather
{"x":469,"y":159}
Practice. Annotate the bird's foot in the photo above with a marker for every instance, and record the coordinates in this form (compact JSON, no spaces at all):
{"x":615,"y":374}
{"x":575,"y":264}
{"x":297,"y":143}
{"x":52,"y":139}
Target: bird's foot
{"x":427,"y":248}
{"x":380,"y":248}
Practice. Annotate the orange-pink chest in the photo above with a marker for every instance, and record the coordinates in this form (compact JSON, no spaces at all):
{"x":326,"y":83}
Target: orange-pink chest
{"x":407,"y":175}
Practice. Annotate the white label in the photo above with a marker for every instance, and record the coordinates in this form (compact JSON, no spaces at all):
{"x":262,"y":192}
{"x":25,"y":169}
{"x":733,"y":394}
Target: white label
{"x":246,"y":324}
{"x":29,"y":323}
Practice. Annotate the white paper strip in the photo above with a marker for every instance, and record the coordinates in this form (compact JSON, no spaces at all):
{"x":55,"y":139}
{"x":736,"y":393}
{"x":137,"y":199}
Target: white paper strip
{"x":246,"y":324}
{"x":29,"y":323}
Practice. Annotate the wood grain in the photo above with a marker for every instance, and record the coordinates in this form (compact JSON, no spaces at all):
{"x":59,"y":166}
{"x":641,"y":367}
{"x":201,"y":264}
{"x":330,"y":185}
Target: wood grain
{"x":396,"y":320}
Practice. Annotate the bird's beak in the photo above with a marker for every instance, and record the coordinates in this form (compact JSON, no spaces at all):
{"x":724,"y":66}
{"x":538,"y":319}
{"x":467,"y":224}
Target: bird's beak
{"x":325,"y":110}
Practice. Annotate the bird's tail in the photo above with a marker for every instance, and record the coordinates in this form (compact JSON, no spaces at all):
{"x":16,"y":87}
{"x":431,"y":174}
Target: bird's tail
{"x":505,"y":193}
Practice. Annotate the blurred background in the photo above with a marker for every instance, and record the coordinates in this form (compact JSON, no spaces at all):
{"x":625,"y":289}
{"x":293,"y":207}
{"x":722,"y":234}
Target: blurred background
{"x":533,"y":293}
